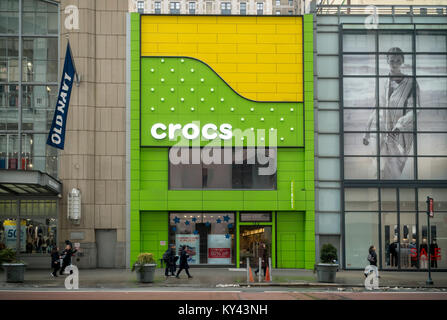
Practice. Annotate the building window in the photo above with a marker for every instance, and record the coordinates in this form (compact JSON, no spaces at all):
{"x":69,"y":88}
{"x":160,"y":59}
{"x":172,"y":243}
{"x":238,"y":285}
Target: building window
{"x":259,"y":8}
{"x":192,"y":8}
{"x":38,"y":225}
{"x":208,"y":237}
{"x":387,"y":135}
{"x":225,"y":8}
{"x":278,"y":12}
{"x":394,"y":220}
{"x":290,"y":12}
{"x":209,"y":7}
{"x":40,"y":61}
{"x":140,"y":6}
{"x":157,"y":7}
{"x":290,"y":3}
{"x":278,"y":3}
{"x":243,"y":8}
{"x":244,"y":171}
{"x":174,"y":7}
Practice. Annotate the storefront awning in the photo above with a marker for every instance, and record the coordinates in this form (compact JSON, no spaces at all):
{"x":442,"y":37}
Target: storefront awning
{"x":17,"y":183}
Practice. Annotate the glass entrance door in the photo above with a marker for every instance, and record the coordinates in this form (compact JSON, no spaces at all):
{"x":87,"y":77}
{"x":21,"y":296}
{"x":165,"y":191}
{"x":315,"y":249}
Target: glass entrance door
{"x":251,"y":240}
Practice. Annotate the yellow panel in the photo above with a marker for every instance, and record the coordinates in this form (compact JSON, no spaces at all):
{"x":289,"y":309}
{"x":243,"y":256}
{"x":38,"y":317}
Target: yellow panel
{"x":260,"y":57}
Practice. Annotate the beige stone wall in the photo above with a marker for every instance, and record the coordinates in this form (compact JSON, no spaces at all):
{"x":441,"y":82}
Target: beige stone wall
{"x":94,"y":158}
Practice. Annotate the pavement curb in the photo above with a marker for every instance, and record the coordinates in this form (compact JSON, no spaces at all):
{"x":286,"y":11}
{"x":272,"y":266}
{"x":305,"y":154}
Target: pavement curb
{"x":325,"y":285}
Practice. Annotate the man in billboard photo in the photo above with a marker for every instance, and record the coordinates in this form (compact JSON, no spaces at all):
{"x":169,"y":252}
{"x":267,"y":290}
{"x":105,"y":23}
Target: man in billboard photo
{"x":396,"y":117}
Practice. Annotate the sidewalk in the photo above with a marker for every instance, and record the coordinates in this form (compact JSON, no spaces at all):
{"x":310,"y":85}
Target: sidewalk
{"x":221,"y":277}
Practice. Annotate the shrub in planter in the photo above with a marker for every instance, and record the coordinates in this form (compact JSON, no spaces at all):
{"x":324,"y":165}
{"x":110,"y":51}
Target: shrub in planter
{"x":145,"y":267}
{"x":14,"y":269}
{"x":327,"y":269}
{"x":328,"y":253}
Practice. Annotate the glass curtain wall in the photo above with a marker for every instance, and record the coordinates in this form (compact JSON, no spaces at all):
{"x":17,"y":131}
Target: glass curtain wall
{"x":394,"y":125}
{"x":28,"y":83}
{"x":395,"y":105}
{"x":395,"y":222}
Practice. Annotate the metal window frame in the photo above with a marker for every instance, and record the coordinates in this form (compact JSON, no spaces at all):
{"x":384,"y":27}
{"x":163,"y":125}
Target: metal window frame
{"x":20,"y":36}
{"x":378,"y":183}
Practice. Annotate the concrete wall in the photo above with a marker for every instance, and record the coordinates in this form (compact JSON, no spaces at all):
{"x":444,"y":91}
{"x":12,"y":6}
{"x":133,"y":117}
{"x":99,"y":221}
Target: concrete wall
{"x":94,"y":157}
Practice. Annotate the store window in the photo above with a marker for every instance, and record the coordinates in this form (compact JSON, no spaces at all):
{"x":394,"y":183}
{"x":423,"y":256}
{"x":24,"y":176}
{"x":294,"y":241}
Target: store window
{"x":208,"y":237}
{"x":403,"y":227}
{"x":247,"y":169}
{"x":362,"y":231}
{"x":38,"y":225}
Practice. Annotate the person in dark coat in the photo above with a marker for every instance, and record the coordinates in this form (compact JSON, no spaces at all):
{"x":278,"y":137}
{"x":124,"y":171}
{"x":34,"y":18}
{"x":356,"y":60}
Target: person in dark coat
{"x":66,"y":256}
{"x":55,"y":261}
{"x":372,"y":258}
{"x":183,"y":262}
{"x":170,"y":259}
{"x":263,"y":254}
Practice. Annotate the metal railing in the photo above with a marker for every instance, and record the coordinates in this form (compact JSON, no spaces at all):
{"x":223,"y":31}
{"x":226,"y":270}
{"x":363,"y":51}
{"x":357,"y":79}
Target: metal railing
{"x":397,"y":10}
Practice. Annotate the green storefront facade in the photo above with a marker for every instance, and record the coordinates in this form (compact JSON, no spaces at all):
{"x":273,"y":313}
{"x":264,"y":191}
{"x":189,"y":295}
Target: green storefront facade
{"x":157,"y":96}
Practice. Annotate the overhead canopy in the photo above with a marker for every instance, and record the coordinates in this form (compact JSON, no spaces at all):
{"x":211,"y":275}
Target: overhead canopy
{"x":29,"y":183}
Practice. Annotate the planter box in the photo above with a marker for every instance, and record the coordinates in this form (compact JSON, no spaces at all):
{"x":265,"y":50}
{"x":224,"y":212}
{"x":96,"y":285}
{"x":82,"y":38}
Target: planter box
{"x":326,"y":272}
{"x":14,"y":272}
{"x":147,"y":274}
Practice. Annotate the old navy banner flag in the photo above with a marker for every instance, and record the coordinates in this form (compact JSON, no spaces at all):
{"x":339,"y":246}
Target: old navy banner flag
{"x":56,"y":137}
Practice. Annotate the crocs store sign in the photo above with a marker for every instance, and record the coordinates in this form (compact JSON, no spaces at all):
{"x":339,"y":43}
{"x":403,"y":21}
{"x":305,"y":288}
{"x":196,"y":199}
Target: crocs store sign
{"x":191,"y":131}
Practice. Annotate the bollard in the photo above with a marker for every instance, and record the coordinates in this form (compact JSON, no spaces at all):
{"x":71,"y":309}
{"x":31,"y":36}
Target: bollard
{"x":260,"y":269}
{"x":270,"y":269}
{"x":248,"y":270}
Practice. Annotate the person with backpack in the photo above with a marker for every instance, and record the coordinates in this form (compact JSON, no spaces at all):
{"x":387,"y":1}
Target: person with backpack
{"x":66,"y":256}
{"x":183,"y":262}
{"x":170,"y":259}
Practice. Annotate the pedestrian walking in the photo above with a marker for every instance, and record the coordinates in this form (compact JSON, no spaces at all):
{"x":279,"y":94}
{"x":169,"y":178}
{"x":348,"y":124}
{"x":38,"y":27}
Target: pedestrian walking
{"x":263,"y":254}
{"x":170,"y":258}
{"x":55,"y":261}
{"x":372,"y":258}
{"x":183,"y":262}
{"x":66,"y":256}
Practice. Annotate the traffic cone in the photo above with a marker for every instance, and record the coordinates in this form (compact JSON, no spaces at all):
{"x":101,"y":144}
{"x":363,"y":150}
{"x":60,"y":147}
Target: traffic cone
{"x":267,"y":275}
{"x":251,"y":275}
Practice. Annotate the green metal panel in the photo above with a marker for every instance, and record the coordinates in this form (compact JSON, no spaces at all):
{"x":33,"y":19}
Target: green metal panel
{"x":153,"y":229}
{"x":183,"y":90}
{"x":309,"y":256}
{"x":290,"y":239}
{"x":150,"y":197}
